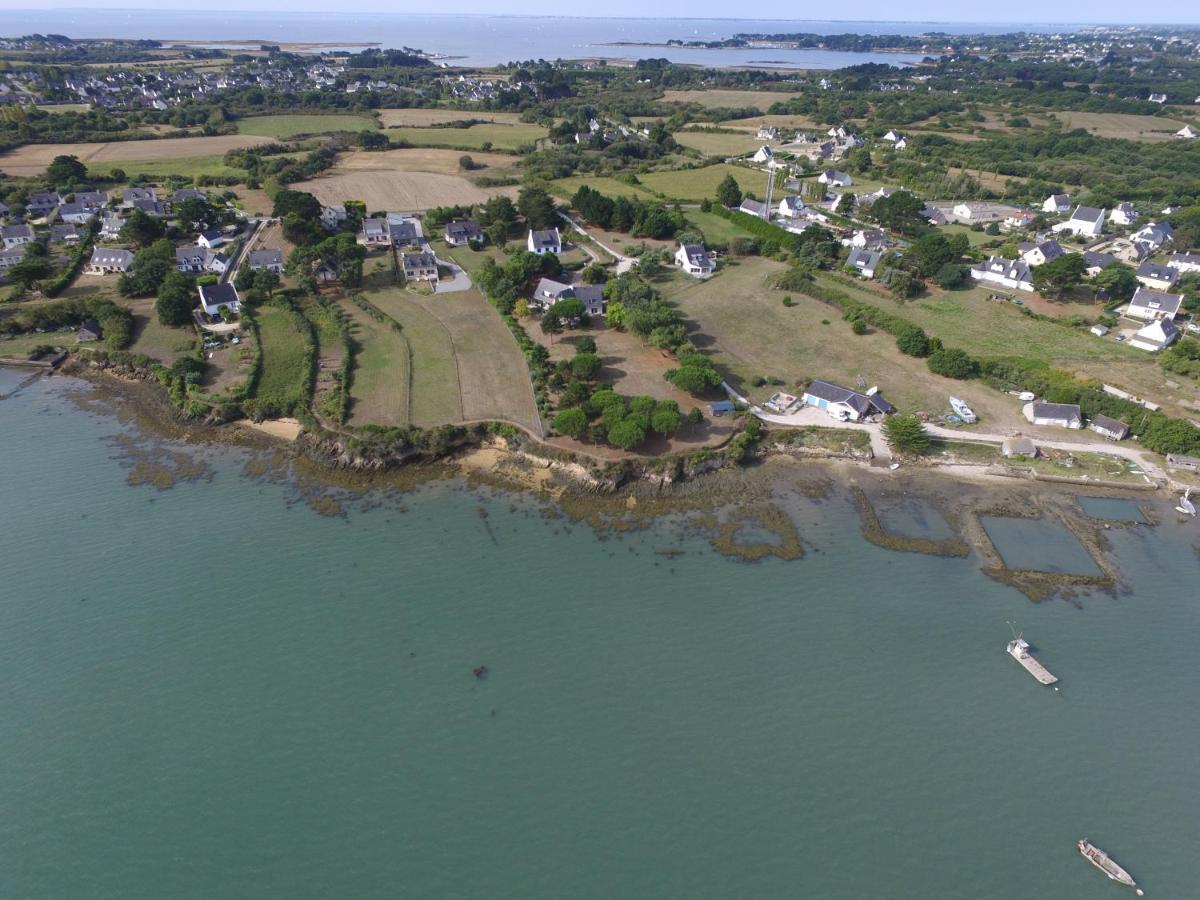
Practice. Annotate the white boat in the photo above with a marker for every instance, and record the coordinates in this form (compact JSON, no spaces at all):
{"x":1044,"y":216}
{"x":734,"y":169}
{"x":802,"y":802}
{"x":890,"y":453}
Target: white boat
{"x":1019,"y":650}
{"x":1105,"y":864}
{"x":1186,"y":506}
{"x":963,"y":411}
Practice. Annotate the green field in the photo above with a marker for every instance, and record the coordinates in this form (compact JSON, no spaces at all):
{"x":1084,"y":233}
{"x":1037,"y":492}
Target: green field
{"x":162,"y":342}
{"x":379,"y":388}
{"x":696,"y":184}
{"x":499,"y":135}
{"x":609,"y":187}
{"x":1122,"y":125}
{"x":186,"y":166}
{"x":718,"y":144}
{"x":716,"y":229}
{"x":288,"y":126}
{"x":286,"y":346}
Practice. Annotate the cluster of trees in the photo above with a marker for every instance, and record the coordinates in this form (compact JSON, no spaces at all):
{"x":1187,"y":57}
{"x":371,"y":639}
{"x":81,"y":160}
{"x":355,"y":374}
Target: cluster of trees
{"x":537,"y":207}
{"x":300,"y":214}
{"x":151,"y":265}
{"x":606,"y":416}
{"x":506,"y":284}
{"x":116,"y":322}
{"x":340,"y":253}
{"x":635,"y":305}
{"x":628,"y":214}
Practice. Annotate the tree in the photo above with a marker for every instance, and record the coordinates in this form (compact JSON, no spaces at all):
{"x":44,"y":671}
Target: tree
{"x":30,"y":271}
{"x":666,"y":417}
{"x":302,"y":204}
{"x":571,"y":422}
{"x":913,"y":341}
{"x":521,"y":309}
{"x":175,"y":296}
{"x":906,"y":435}
{"x":903,"y":284}
{"x":616,"y":315}
{"x":729,"y":194}
{"x":951,"y":276}
{"x":1056,"y":277}
{"x":626,"y":433}
{"x":537,"y":207}
{"x":65,"y":169}
{"x":142,"y":229}
{"x":594,"y":274}
{"x":1119,"y":282}
{"x":901,"y":211}
{"x":846,"y":203}
{"x":696,"y":374}
{"x":951,"y":362}
{"x":585,"y":345}
{"x":585,"y":366}
{"x":195,"y":214}
{"x":930,"y":252}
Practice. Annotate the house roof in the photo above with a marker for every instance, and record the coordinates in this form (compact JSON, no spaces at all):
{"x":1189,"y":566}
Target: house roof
{"x":862,"y":403}
{"x":103,"y":256}
{"x":1102,"y":260}
{"x":1157,"y":272}
{"x":1161,"y":332}
{"x":862,"y":258}
{"x":1042,"y":410}
{"x":218,"y":294}
{"x":1012,"y":269}
{"x":591,"y":296}
{"x":265,"y":257}
{"x":1018,"y":445}
{"x":1159,"y":301}
{"x":462,"y":228}
{"x":420,"y":260}
{"x":694,"y":250}
{"x":1114,"y":425}
{"x":1155,"y":232}
{"x":545,"y":238}
{"x":21,"y":229}
{"x":1189,"y":259}
{"x":375,"y":226}
{"x":754,"y":207}
{"x":548,"y":287}
{"x":1087,"y":214}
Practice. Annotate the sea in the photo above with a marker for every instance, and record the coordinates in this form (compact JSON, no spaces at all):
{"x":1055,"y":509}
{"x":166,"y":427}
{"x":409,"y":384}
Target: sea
{"x":223,"y":689}
{"x":488,"y":40}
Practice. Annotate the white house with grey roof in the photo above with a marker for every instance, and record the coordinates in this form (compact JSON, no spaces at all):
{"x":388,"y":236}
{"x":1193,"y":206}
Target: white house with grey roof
{"x":1085,"y":221}
{"x":105,"y":261}
{"x":1035,"y":254}
{"x":1157,"y":277}
{"x":461,"y":232}
{"x":548,"y":292}
{"x":1157,"y":335}
{"x":214,"y":297}
{"x":845,"y":404}
{"x":543,"y":241}
{"x":333,"y":216}
{"x":1151,"y":238}
{"x":420,"y":266}
{"x":201,"y":260}
{"x":1061,"y":415}
{"x":1123,"y":214}
{"x":17,"y":235}
{"x":791,"y":206}
{"x":1057,"y":204}
{"x":271,"y":260}
{"x":75,"y":213}
{"x":835,"y":178}
{"x":1184,"y":262}
{"x":40,"y":203}
{"x":1149,"y":306}
{"x":695,"y":260}
{"x":1009,"y":273}
{"x":12,"y":256}
{"x":864,"y":261}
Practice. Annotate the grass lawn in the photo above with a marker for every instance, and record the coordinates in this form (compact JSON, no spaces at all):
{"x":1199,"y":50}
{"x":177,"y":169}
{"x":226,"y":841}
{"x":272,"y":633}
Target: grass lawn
{"x":974,"y":237}
{"x":287,"y":126}
{"x":716,"y":229}
{"x":743,"y":323}
{"x":728,"y":99}
{"x":285,"y":353}
{"x":499,"y":135}
{"x":186,"y":166}
{"x":21,"y":345}
{"x":162,"y":342}
{"x":379,"y":388}
{"x":1122,"y":125}
{"x":696,"y":184}
{"x":718,"y":144}
{"x":609,"y":187}
{"x":419,"y":117}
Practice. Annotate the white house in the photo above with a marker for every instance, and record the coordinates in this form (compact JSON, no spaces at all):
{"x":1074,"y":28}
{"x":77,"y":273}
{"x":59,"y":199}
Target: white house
{"x":1157,"y":98}
{"x":212,"y":239}
{"x":864,"y":261}
{"x":1157,"y":277}
{"x":1150,"y":306}
{"x":1185,"y":262}
{"x":1062,"y":415}
{"x":1150,"y":238}
{"x":869,"y":238}
{"x":75,"y":213}
{"x":1020,"y":219}
{"x":763,"y":155}
{"x":111,"y":225}
{"x":1158,"y":335}
{"x":767,"y":133}
{"x":215,"y":296}
{"x":333,"y":216}
{"x":544,"y":241}
{"x":1098,"y":262}
{"x":461,"y":232}
{"x":549,"y":292}
{"x":1057,"y":204}
{"x":1008,"y":273}
{"x":1113,"y":429}
{"x":1085,"y":220}
{"x":836,"y":178}
{"x":754,"y":208}
{"x":271,"y":260}
{"x":17,"y":235}
{"x":1123,"y":214}
{"x":420,"y":266}
{"x":791,"y":206}
{"x":107,"y":262}
{"x":844,"y":404}
{"x":1039,"y":253}
{"x":375,"y":233}
{"x":694,"y":259}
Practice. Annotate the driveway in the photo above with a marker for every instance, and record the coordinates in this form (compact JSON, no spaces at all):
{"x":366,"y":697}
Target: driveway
{"x":624,"y":263}
{"x":458,"y":281}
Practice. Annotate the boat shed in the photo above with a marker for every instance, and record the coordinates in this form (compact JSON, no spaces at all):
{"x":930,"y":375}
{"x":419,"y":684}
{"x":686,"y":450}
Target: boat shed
{"x":1113,"y":429}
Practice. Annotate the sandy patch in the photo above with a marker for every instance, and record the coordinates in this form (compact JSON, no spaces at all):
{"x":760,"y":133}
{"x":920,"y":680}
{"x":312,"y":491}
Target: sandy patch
{"x":397,"y":118}
{"x":286,"y":429}
{"x":32,"y":159}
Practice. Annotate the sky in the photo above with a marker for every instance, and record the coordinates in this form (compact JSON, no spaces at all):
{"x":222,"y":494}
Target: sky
{"x":1014,"y":11}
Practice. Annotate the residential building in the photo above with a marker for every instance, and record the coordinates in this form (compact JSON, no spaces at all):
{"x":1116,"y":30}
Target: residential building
{"x":763,"y":155}
{"x":1184,"y":262}
{"x":461,"y":232}
{"x":92,"y":200}
{"x":111,"y":225}
{"x":1158,"y":335}
{"x":1062,"y":415}
{"x":791,"y":206}
{"x":754,"y":208}
{"x":864,"y":261}
{"x":592,"y":298}
{"x":201,"y":261}
{"x":695,"y":260}
{"x":1057,"y":204}
{"x":1123,"y":214}
{"x":1112,"y":429}
{"x":150,"y":208}
{"x":836,"y":178}
{"x":1157,"y":98}
{"x":404,"y":230}
{"x":544,"y":241}
{"x":1150,"y":306}
{"x":548,"y":292}
{"x":375,"y":233}
{"x":65,"y":234}
{"x":212,"y":239}
{"x":332,"y":217}
{"x":1019,"y":220}
{"x":1157,"y":277}
{"x":1098,"y":262}
{"x":767,"y":133}
{"x":1008,"y":273}
{"x":12,"y":256}
{"x":845,"y":404}
{"x":1018,"y":445}
{"x":88,"y":330}
{"x":1188,"y":133}
{"x":1035,"y":254}
{"x":215,"y":297}
{"x":271,"y":260}
{"x":420,"y":266}
{"x":75,"y":213}
{"x":42,"y":202}
{"x":108,"y":262}
{"x":1085,"y":221}
{"x":135,"y":195}
{"x":1150,"y":238}
{"x":17,"y":235}
{"x":184,"y":194}
{"x":870,"y":239}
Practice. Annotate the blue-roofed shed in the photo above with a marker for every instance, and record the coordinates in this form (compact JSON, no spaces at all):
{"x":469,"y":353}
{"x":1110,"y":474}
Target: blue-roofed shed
{"x":721,"y":407}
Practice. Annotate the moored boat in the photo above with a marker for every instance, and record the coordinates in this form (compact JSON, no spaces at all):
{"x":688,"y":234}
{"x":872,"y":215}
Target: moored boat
{"x":963,"y":411}
{"x":1105,"y":863}
{"x":1019,"y":650}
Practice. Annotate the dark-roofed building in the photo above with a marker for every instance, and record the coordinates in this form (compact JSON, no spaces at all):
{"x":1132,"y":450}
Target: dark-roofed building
{"x":92,"y":200}
{"x":135,"y":195}
{"x":544,"y":241}
{"x":184,"y":194}
{"x":1185,"y":262}
{"x":1062,"y":415}
{"x":17,"y":235}
{"x":1085,"y":220}
{"x":843,"y":403}
{"x":1018,"y":445}
{"x":461,"y":232}
{"x":12,"y":256}
{"x":592,"y":298}
{"x":1009,"y":273}
{"x":549,"y":291}
{"x":214,"y":297}
{"x":107,"y":262}
{"x":1157,"y":277}
{"x":88,"y":330}
{"x":200,"y":260}
{"x":420,"y":266}
{"x":42,"y":202}
{"x":864,"y":262}
{"x":375,"y":233}
{"x":1098,"y":262}
{"x":1112,"y":429}
{"x":694,"y":259}
{"x":212,"y":239}
{"x":65,"y":234}
{"x":1035,"y":253}
{"x":271,"y":260}
{"x":75,"y":213}
{"x":1149,"y":305}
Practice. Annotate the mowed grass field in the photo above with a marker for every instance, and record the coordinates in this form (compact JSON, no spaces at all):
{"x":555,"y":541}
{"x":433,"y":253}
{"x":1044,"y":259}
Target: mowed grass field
{"x":738,"y":318}
{"x":716,"y":229}
{"x":696,"y":184}
{"x":502,"y":136}
{"x":1120,"y":125}
{"x":717,"y":143}
{"x":411,"y":179}
{"x":287,"y":126}
{"x":610,"y":187}
{"x":32,"y":159}
{"x":729,"y":99}
{"x":285,"y":348}
{"x":397,"y":118}
{"x":380,"y":388}
{"x":187,"y":167}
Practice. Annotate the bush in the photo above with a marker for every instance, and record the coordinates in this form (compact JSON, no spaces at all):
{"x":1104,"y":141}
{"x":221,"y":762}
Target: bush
{"x":571,"y":422}
{"x":913,"y":341}
{"x":905,"y":434}
{"x":952,"y":363}
{"x":585,"y":366}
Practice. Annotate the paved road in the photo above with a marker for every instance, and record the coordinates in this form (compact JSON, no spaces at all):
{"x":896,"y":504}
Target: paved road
{"x":459,"y":279}
{"x":244,"y":252}
{"x":624,"y":263}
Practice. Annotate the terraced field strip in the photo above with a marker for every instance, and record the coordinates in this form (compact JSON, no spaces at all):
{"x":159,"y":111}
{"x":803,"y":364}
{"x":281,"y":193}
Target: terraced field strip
{"x":381,"y":383}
